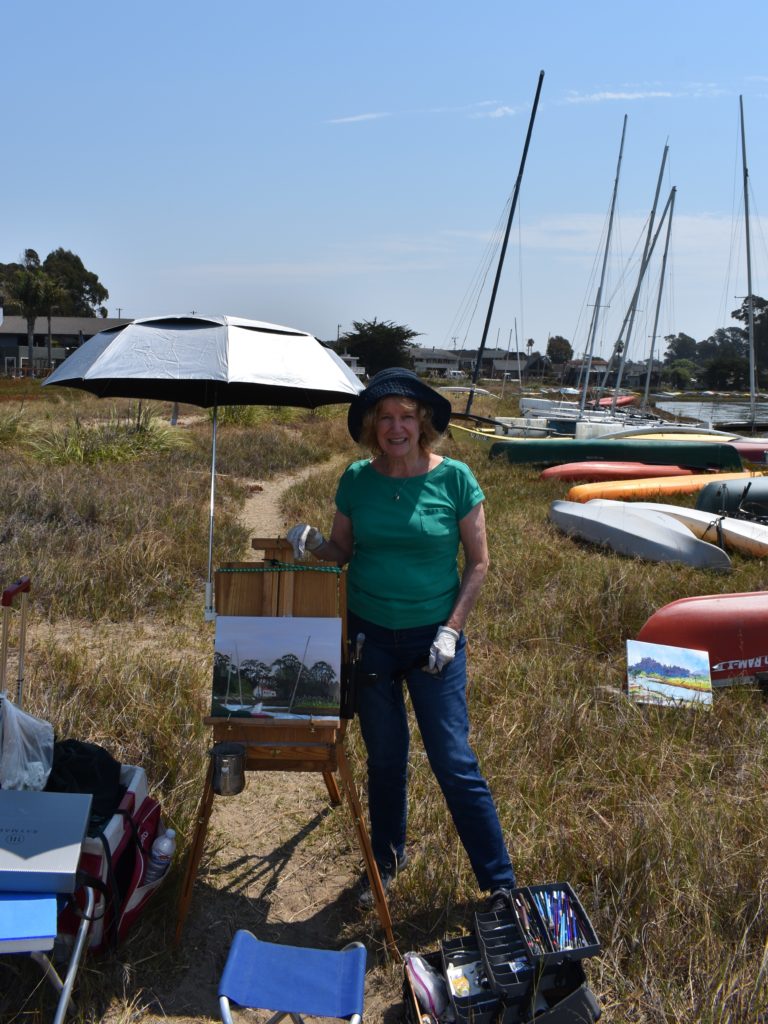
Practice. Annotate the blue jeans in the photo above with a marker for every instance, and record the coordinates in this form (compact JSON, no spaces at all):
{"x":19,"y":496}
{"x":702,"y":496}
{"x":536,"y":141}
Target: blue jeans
{"x":440,"y":705}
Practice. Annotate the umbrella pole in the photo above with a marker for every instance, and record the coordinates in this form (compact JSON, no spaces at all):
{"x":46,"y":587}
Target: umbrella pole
{"x":210,"y":612}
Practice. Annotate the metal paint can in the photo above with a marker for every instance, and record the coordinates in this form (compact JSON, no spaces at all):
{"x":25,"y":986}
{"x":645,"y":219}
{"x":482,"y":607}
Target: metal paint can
{"x":228,"y":768}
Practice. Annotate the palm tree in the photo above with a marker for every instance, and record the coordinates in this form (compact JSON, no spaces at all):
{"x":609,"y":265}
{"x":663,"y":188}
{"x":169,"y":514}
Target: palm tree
{"x":52,"y":295}
{"x":26,"y":289}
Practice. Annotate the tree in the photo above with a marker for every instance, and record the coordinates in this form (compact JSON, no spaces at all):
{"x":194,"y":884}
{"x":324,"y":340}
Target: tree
{"x":679,"y":346}
{"x":680,"y":374}
{"x":26,"y":289}
{"x":285,"y":673}
{"x":559,"y":349}
{"x":29,"y":294}
{"x":378,"y":344}
{"x":52,"y":297}
{"x":727,"y":370}
{"x":760,"y":322}
{"x":85,"y":294}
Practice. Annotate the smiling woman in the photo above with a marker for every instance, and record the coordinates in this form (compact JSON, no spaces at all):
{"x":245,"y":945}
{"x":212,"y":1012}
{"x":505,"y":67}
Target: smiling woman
{"x":400,"y":519}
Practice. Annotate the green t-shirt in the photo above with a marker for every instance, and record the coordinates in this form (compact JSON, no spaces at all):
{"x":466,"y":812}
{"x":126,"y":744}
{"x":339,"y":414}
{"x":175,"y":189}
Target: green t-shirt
{"x":403,"y":570}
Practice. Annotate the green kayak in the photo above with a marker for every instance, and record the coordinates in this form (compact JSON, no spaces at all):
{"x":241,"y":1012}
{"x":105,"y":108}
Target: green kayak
{"x":702,"y":455}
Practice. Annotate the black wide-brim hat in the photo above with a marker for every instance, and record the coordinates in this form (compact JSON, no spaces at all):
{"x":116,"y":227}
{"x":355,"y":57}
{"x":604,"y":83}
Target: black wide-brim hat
{"x":399,"y":383}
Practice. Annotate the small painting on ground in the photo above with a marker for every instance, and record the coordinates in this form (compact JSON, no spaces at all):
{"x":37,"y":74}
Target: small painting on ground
{"x":674,"y":676}
{"x":276,"y":667}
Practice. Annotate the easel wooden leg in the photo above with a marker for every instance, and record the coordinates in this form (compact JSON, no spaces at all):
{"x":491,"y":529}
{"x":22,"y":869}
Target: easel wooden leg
{"x":332,"y":787}
{"x":196,"y":852}
{"x":380,"y":900}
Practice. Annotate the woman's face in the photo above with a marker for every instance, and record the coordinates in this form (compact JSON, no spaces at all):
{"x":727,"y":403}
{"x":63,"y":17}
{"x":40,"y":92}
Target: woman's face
{"x":398,"y":427}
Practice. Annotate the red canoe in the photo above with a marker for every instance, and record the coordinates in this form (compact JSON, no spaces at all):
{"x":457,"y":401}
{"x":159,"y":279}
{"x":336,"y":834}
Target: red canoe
{"x":751,"y":450}
{"x":593,"y":472}
{"x":621,"y":400}
{"x":733,"y":628}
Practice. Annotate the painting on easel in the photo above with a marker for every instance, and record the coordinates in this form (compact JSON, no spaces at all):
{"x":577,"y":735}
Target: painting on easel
{"x":276,"y":667}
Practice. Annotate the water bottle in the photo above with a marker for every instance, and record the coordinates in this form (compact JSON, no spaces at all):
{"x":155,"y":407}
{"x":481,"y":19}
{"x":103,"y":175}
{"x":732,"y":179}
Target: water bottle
{"x":160,"y":856}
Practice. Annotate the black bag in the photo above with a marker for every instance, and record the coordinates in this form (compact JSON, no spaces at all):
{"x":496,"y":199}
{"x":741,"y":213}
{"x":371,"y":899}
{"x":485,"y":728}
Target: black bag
{"x":80,"y":767}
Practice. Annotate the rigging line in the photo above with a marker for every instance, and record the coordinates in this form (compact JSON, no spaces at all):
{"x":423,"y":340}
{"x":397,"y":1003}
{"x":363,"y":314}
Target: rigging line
{"x":476,"y":284}
{"x":590,"y":290}
{"x":521,"y":291}
{"x":630,"y":314}
{"x":737,"y":204}
{"x":478,"y":278}
{"x":755,"y":220}
{"x":497,"y":242}
{"x":629,"y":268}
{"x":479,"y":292}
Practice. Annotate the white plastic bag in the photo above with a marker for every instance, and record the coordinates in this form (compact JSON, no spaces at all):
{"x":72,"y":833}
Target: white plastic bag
{"x":430,"y":988}
{"x":26,"y":748}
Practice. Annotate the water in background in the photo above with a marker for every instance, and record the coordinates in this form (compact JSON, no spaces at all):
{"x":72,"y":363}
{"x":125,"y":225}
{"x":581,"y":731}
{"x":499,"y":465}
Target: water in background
{"x":713,"y":412}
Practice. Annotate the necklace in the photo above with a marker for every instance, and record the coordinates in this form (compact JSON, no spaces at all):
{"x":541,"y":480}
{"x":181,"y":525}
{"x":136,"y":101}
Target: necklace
{"x":397,"y":491}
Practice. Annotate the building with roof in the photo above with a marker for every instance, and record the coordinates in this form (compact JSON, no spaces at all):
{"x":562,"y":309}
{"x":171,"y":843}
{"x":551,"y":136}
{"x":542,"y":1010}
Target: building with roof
{"x":67,"y":333}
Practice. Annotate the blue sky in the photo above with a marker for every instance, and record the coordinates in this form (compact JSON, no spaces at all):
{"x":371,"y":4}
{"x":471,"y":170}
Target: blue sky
{"x":313,"y":164}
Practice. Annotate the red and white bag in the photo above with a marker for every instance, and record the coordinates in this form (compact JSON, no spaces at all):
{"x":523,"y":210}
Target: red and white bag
{"x":116,"y":860}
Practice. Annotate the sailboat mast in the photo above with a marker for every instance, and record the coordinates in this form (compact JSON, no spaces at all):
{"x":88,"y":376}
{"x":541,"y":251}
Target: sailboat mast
{"x":750,"y":302}
{"x":643,"y":268}
{"x":636,"y":293}
{"x":658,"y":300}
{"x":516,"y":192}
{"x":598,"y":299}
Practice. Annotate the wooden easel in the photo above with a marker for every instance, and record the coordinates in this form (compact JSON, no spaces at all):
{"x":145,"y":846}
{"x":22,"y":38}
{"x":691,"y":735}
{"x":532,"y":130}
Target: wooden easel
{"x":274,"y":587}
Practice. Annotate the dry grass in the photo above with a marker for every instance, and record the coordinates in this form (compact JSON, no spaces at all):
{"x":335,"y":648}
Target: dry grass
{"x":659,"y":818}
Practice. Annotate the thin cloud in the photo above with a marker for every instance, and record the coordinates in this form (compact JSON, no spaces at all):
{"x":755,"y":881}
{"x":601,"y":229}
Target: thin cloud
{"x":631,"y":93}
{"x":358,"y":117}
{"x":470,"y":109}
{"x":609,"y":96}
{"x":497,"y":112}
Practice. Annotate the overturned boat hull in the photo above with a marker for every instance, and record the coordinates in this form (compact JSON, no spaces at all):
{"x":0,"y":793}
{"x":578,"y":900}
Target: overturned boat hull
{"x":733,"y":628}
{"x":651,"y":537}
{"x":551,"y":451}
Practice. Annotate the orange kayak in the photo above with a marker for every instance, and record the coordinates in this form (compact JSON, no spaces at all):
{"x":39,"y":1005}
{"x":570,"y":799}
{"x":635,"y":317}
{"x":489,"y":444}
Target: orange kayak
{"x":637,"y":490}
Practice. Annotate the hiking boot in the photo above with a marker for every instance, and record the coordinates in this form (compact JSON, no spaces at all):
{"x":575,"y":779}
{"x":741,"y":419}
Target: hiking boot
{"x":387,"y":873}
{"x":500,"y":900}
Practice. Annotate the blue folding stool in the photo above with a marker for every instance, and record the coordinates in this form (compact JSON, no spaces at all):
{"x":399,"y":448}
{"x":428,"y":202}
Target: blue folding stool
{"x":292,"y":980}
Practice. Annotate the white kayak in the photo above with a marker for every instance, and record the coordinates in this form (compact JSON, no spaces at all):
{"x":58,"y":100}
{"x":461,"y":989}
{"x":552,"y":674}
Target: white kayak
{"x":743,"y":535}
{"x":639,"y":534}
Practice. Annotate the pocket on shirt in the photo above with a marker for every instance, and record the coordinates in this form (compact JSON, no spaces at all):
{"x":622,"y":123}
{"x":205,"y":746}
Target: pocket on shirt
{"x":437,"y":522}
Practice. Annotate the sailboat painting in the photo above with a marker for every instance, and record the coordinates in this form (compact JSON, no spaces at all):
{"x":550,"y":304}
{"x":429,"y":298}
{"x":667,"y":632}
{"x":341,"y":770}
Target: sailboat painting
{"x":669,"y":676}
{"x":276,"y":667}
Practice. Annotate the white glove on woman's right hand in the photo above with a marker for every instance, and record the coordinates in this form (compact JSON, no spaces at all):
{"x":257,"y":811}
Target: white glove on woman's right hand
{"x":304,"y":538}
{"x":443,"y":649}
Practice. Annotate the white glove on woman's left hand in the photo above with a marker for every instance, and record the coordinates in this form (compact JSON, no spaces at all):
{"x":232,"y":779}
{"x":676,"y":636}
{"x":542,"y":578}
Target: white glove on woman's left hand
{"x":443,"y":649}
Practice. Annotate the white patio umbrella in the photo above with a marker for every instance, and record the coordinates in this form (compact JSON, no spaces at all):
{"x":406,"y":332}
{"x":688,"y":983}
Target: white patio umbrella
{"x":209,"y":361}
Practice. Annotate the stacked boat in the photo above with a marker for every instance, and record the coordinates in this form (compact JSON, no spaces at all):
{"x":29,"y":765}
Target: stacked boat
{"x":619,"y":502}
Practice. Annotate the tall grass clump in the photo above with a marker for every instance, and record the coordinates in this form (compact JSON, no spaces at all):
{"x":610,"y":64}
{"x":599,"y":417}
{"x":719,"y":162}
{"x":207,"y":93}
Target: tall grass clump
{"x":279,"y":443}
{"x":119,"y":439}
{"x":9,"y":428}
{"x":107,"y":544}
